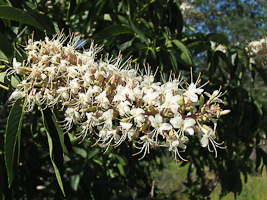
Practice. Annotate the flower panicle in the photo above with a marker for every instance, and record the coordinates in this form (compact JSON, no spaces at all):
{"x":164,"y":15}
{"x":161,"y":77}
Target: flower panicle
{"x":95,"y":94}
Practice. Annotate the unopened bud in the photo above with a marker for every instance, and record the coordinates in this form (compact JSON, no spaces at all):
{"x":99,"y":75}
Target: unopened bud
{"x":150,"y":108}
{"x":124,"y":120}
{"x":201,"y":101}
{"x":225,"y":112}
{"x":96,"y":82}
{"x":181,"y":102}
{"x":189,"y":108}
{"x":144,"y":127}
{"x":92,"y":109}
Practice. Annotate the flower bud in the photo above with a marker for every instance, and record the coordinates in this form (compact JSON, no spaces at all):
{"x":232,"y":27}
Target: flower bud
{"x":225,"y":112}
{"x":125,"y":120}
{"x":144,"y":127}
{"x":201,"y":101}
{"x":181,"y":102}
{"x":150,"y":108}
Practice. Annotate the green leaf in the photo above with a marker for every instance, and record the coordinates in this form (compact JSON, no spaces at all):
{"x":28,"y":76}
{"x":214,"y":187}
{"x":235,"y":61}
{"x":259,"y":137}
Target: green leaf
{"x":15,"y":81}
{"x":60,"y":132}
{"x":80,"y":151}
{"x":74,"y":181}
{"x":242,"y":54}
{"x":262,"y":73}
{"x":13,"y":132}
{"x":139,"y":33}
{"x":185,"y":56}
{"x":6,"y":49}
{"x":113,"y":30}
{"x":3,"y":77}
{"x":53,"y":143}
{"x":7,"y":12}
{"x":218,"y":38}
{"x":120,"y":167}
{"x":94,"y":14}
{"x":2,"y":3}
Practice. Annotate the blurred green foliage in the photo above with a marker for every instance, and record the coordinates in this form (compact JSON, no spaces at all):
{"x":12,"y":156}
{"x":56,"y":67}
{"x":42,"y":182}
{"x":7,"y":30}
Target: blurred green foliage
{"x":39,"y":162}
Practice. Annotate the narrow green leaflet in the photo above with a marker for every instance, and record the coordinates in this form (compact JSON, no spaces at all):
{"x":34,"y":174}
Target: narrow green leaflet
{"x":13,"y":132}
{"x":113,"y":30}
{"x":52,"y":151}
{"x":60,"y":133}
{"x":185,"y":53}
{"x":6,"y":49}
{"x":93,"y":15}
{"x":7,"y":12}
{"x":140,"y":33}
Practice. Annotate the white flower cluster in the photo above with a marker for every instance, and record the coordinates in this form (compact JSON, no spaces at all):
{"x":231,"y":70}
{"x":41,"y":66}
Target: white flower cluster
{"x":257,"y":52}
{"x":113,"y":102}
{"x":190,"y":13}
{"x":219,"y":47}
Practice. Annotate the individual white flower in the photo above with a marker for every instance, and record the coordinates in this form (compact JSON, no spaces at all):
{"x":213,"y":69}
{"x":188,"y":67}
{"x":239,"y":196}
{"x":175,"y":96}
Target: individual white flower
{"x":108,"y":115}
{"x":72,"y":72}
{"x":183,"y":125}
{"x":146,"y":144}
{"x":120,"y":94}
{"x":125,"y":127}
{"x":62,"y":66}
{"x":74,"y":86}
{"x":87,"y":126}
{"x":207,"y":136}
{"x":173,"y":147}
{"x":124,"y":108}
{"x":151,"y":98}
{"x":191,"y":93}
{"x":17,"y":94}
{"x":87,"y":81}
{"x":170,"y":102}
{"x":137,"y":114}
{"x":63,"y":93}
{"x":159,"y":126}
{"x":71,"y":116}
{"x":214,"y":97}
{"x":103,"y":100}
{"x":134,"y":94}
{"x":17,"y":66}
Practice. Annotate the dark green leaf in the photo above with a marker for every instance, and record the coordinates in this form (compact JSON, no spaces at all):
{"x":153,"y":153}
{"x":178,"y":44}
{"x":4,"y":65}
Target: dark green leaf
{"x":242,"y":54}
{"x":80,"y":151}
{"x":53,"y":142}
{"x":139,"y":33}
{"x":218,"y":38}
{"x":95,"y":11}
{"x":263,"y":74}
{"x":15,"y":14}
{"x":186,"y":56}
{"x":6,"y":49}
{"x":2,"y":3}
{"x":113,"y":30}
{"x":60,"y":133}
{"x":13,"y":131}
{"x":74,"y":181}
